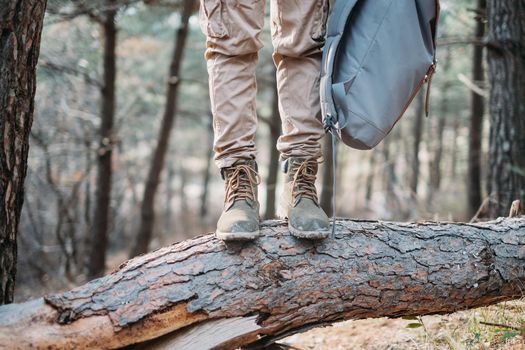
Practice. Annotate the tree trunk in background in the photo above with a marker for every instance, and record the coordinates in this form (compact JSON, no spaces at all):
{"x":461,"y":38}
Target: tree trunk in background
{"x":435,"y":137}
{"x":183,"y":198}
{"x":170,"y":176}
{"x":454,"y":156}
{"x":147,"y":215}
{"x":99,"y":241}
{"x":370,"y":176}
{"x":476,"y":117}
{"x":506,"y":62}
{"x":389,"y":178}
{"x":416,"y":142}
{"x":328,"y":177}
{"x":20,"y":33}
{"x":273,"y":167}
{"x":206,"y":176}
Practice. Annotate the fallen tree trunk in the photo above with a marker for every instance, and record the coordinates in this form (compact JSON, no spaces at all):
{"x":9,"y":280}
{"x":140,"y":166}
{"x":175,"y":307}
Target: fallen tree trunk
{"x":202,"y":293}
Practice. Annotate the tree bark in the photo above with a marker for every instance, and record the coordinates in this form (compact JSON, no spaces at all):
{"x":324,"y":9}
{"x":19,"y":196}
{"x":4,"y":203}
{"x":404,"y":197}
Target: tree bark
{"x":147,"y":215}
{"x":99,"y":241}
{"x":476,"y":116}
{"x":506,"y":62}
{"x":20,"y":33}
{"x":278,"y":285}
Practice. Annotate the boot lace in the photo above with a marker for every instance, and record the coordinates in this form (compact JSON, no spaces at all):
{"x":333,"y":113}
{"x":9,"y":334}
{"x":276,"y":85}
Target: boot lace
{"x":241,"y":183}
{"x":303,"y":184}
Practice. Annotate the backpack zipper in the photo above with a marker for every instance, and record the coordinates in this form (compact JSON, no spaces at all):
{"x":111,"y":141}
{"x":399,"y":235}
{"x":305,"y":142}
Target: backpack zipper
{"x":428,"y":77}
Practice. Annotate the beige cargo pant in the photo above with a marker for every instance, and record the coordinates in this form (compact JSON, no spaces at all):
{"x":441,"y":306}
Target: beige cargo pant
{"x":233,"y":28}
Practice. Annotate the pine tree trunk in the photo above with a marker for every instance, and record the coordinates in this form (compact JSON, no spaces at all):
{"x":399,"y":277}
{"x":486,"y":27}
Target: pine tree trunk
{"x":202,"y":293}
{"x":20,"y":33}
{"x":476,"y":117}
{"x":147,"y":216}
{"x":506,"y":62}
{"x":99,"y":241}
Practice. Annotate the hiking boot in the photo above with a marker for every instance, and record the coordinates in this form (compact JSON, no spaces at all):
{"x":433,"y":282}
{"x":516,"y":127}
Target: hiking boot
{"x":240,"y":216}
{"x":299,"y":201}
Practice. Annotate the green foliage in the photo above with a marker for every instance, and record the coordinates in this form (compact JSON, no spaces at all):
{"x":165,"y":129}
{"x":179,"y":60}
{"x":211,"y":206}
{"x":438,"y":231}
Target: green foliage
{"x":414,"y":325}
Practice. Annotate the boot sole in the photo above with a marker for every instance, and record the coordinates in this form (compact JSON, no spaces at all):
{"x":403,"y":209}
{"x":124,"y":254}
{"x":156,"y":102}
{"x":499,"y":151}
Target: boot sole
{"x":237,"y":236}
{"x":319,"y":234}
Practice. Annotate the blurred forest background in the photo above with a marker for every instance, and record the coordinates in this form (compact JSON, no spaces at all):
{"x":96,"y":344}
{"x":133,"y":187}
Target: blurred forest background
{"x":106,"y":181}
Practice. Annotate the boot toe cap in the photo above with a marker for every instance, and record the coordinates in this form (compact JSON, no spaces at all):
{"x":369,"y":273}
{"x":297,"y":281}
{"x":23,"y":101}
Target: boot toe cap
{"x":238,"y":224}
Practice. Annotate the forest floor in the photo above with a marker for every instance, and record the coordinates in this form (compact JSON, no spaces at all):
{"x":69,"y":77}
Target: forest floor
{"x":457,"y":331}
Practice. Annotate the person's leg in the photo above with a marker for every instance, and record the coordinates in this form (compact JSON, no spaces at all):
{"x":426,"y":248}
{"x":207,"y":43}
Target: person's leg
{"x":232,"y":29}
{"x":298,"y":29}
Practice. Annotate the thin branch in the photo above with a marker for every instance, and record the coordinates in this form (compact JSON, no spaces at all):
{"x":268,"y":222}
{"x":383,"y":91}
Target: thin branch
{"x":472,"y":85}
{"x":461,"y":41}
{"x":501,"y":325}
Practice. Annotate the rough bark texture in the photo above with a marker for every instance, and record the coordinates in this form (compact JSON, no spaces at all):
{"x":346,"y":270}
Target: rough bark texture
{"x":279,"y":285}
{"x":20,"y":31}
{"x":147,"y":214}
{"x":476,"y":116}
{"x":506,"y":62}
{"x":99,"y":241}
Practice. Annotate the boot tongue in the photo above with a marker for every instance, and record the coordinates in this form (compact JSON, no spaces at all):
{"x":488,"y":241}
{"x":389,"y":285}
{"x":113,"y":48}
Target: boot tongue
{"x":302,"y":173}
{"x":241,"y":181}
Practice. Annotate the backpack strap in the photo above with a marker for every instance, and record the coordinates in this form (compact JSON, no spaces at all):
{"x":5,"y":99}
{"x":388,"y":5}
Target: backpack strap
{"x":336,"y":26}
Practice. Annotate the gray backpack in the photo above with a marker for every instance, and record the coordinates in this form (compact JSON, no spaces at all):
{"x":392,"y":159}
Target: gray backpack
{"x":377,"y":56}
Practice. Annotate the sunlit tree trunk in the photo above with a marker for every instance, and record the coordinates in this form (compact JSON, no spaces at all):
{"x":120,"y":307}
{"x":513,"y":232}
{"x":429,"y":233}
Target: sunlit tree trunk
{"x":506,"y":62}
{"x":476,"y":117}
{"x":20,"y":33}
{"x":99,"y":240}
{"x":147,"y":216}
